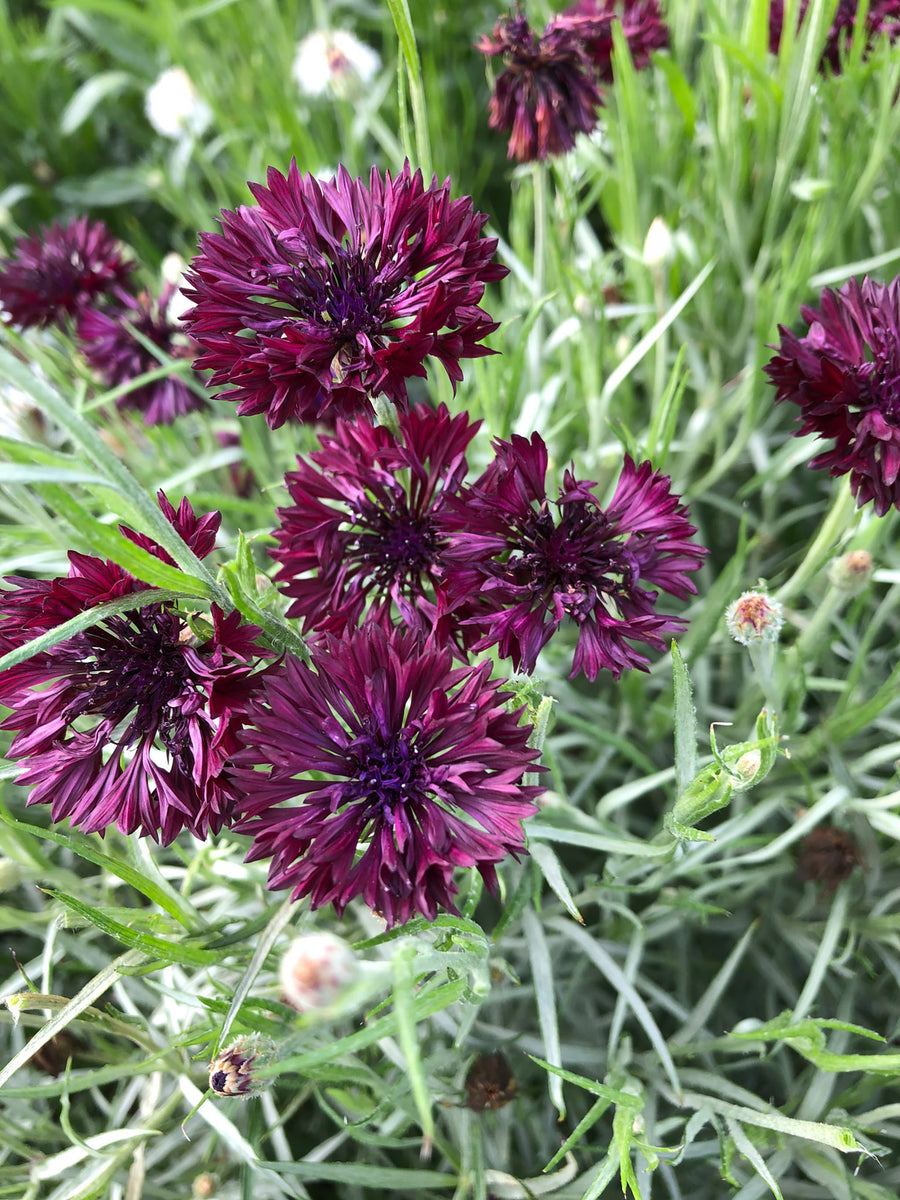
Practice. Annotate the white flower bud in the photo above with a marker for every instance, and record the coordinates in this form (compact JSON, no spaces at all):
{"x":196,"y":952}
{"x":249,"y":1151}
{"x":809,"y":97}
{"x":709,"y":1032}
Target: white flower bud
{"x":659,"y":245}
{"x":851,"y":572}
{"x":334,"y":61}
{"x":174,"y":108}
{"x":315,"y":969}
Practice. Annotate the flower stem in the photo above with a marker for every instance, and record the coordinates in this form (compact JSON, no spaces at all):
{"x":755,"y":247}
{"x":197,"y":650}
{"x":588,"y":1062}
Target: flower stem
{"x":834,"y":526}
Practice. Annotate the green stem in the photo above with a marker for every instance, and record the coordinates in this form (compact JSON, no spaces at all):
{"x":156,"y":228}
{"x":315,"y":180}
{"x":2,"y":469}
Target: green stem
{"x":835,"y":525}
{"x":539,"y":270}
{"x":406,"y":36}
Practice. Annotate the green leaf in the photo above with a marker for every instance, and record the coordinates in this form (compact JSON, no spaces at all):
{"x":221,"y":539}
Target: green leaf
{"x":89,"y":95}
{"x":685,"y":723}
{"x":85,"y":620}
{"x":403,"y":993}
{"x":552,"y":872}
{"x":545,"y":996}
{"x":170,"y":952}
{"x":162,"y":895}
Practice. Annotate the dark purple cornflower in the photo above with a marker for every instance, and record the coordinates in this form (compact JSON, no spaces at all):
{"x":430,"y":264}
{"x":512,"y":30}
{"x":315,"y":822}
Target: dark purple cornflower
{"x":362,"y":537}
{"x":129,"y":723}
{"x":883,"y":16}
{"x":113,"y":351}
{"x":548,"y":91}
{"x":326,"y":294}
{"x":530,"y":569}
{"x":642,"y":26}
{"x":844,"y":375}
{"x":56,"y":272}
{"x":395,"y":768}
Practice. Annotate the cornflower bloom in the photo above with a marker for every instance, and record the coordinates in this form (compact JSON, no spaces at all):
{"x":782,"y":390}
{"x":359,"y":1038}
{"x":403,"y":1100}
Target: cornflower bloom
{"x":548,"y":92}
{"x":58,"y":271}
{"x":112,"y":350}
{"x":530,"y":570}
{"x":844,"y":376}
{"x":131,"y":721}
{"x":883,"y":16}
{"x":642,"y":27}
{"x":396,"y":768}
{"x":326,"y":294}
{"x":363,"y":537}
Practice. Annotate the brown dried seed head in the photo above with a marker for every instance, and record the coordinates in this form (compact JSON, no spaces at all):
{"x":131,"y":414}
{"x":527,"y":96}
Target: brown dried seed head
{"x":489,"y":1083}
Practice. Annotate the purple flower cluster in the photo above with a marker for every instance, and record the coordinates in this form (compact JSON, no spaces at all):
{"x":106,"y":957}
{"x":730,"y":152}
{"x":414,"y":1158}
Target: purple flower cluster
{"x":550,"y":88}
{"x":882,"y":17}
{"x":390,"y":757}
{"x":486,"y":564}
{"x":77,"y":276}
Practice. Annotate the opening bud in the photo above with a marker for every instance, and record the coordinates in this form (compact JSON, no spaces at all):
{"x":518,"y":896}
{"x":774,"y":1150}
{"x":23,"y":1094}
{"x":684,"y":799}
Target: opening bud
{"x":235,"y":1071}
{"x":315,"y":969}
{"x":754,"y":617}
{"x":851,"y":572}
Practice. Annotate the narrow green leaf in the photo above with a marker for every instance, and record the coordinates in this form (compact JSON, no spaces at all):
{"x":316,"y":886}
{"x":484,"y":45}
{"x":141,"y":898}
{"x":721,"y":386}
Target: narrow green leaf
{"x":162,"y":895}
{"x":753,"y":1156}
{"x":611,"y":1095}
{"x":173,"y":952}
{"x":364,"y":1175}
{"x":402,"y":966}
{"x":425,"y":1005}
{"x":545,"y":996}
{"x":616,"y":977}
{"x":84,"y":999}
{"x":93,"y":616}
{"x":685,"y":718}
{"x":89,"y":95}
{"x":552,"y":872}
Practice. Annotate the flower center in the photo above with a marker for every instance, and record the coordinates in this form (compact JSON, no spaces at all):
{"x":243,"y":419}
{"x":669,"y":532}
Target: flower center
{"x":134,"y":667}
{"x":341,"y":293}
{"x":390,"y":775}
{"x":573,"y":563}
{"x":396,"y":548}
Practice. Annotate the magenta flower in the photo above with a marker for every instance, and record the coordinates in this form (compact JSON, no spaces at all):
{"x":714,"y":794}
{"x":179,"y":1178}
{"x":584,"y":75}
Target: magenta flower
{"x":395,"y":768}
{"x":363,"y":536}
{"x":530,"y":570}
{"x":56,"y":272}
{"x":117,"y":356}
{"x":130,"y":722}
{"x":548,"y":91}
{"x":642,"y":26}
{"x":844,"y":376}
{"x":883,"y":16}
{"x":323,"y":295}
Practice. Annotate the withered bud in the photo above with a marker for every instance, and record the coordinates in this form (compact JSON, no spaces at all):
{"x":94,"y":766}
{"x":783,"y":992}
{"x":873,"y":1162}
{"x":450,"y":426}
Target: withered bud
{"x":827,"y":856}
{"x":489,"y":1082}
